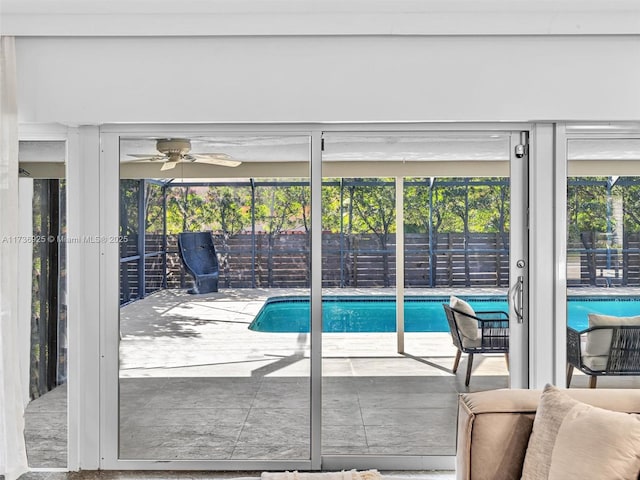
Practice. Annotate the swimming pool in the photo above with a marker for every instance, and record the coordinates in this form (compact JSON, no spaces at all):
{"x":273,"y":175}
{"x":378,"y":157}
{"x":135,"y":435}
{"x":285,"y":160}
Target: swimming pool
{"x":343,"y":313}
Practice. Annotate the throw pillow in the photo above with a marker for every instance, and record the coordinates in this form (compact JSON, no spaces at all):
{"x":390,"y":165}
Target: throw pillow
{"x":575,"y":441}
{"x":468,"y":326}
{"x":599,"y":341}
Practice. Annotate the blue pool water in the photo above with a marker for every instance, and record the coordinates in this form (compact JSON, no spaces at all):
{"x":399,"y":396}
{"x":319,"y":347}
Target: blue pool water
{"x":422,"y":314}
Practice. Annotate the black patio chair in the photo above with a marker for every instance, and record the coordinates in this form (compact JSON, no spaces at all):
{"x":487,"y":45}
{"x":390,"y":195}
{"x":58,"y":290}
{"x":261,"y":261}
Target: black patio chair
{"x":622,"y":357}
{"x":198,"y":255}
{"x":493,"y":336}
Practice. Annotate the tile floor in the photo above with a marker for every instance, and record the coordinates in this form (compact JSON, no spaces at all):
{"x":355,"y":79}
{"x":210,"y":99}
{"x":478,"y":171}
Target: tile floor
{"x":253,"y":387}
{"x":195,"y":383}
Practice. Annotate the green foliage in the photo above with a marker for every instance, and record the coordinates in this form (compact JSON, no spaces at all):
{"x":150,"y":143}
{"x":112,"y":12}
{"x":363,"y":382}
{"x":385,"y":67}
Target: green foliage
{"x":129,"y":190}
{"x":153,"y":207}
{"x":284,"y":208}
{"x":416,"y":207}
{"x":489,"y":208}
{"x":586,"y":208}
{"x":374,"y":208}
{"x":231,"y":208}
{"x":188,"y":210}
{"x":332,"y":210}
{"x":461,"y":207}
{"x":631,"y":206}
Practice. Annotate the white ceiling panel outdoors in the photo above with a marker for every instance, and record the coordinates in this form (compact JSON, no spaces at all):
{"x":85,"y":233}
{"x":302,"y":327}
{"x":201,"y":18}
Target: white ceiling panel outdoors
{"x":412,"y":148}
{"x":245,"y":149}
{"x":388,"y":154}
{"x":602,"y":149}
{"x":604,"y":156}
{"x":42,"y":159}
{"x":222,"y":157}
{"x":42,"y":151}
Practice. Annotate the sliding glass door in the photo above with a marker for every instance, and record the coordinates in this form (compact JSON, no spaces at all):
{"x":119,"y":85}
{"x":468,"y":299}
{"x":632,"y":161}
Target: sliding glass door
{"x":411,"y":220}
{"x":603,"y":258}
{"x":271,"y":291}
{"x":209,"y":228}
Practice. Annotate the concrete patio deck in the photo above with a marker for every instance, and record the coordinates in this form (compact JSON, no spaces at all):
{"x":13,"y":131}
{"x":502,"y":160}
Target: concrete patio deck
{"x":195,"y":383}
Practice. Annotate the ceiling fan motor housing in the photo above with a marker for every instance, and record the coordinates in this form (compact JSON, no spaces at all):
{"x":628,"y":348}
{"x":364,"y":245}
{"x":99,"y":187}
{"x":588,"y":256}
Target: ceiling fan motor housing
{"x":174,"y":147}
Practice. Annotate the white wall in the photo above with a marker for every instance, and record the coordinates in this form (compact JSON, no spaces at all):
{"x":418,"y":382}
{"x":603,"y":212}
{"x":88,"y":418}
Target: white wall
{"x":98,"y":80}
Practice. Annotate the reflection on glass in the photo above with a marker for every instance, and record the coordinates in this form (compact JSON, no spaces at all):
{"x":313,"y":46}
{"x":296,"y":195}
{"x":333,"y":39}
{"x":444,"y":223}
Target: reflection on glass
{"x":603,"y":265}
{"x":196,"y":381}
{"x":46,"y":413}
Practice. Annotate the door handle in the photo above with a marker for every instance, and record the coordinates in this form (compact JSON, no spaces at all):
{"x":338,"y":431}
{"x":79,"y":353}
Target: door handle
{"x":517,"y":297}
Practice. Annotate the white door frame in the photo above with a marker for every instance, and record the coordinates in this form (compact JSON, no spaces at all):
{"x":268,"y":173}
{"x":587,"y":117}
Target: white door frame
{"x":108,"y":187}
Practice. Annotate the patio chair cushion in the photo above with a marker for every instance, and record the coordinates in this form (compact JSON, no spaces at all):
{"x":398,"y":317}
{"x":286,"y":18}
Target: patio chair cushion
{"x":471,"y":343}
{"x":468,"y":326}
{"x":572,"y":440}
{"x":596,"y":363}
{"x":599,"y":341}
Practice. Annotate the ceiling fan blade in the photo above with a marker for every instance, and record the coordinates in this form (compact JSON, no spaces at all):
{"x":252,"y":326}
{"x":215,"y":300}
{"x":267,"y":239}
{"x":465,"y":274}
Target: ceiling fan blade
{"x":216,"y":159}
{"x":168,"y":165}
{"x":146,"y":158}
{"x":221,"y":156}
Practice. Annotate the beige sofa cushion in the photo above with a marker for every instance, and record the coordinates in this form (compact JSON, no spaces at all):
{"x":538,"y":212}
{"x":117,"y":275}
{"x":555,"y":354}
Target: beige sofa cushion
{"x":494,"y":427}
{"x":575,"y":441}
{"x":468,"y":326}
{"x":599,"y":341}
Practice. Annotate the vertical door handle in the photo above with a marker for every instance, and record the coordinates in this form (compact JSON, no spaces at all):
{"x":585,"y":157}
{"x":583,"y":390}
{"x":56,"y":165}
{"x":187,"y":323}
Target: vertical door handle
{"x":518,"y":292}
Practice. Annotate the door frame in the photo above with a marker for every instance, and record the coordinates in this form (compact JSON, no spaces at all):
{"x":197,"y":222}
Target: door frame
{"x":108,"y":187}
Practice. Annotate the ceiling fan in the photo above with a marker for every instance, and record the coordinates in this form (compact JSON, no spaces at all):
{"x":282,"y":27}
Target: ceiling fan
{"x":176,"y":150}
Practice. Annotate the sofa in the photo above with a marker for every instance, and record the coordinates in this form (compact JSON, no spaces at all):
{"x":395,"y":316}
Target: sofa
{"x":494,"y":427}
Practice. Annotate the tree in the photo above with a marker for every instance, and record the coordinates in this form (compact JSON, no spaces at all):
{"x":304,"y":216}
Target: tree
{"x":416,"y":206}
{"x":374,"y":205}
{"x":282,"y":208}
{"x":587,"y":216}
{"x":153,"y":208}
{"x":232,"y":213}
{"x":459,"y":205}
{"x":188,"y":210}
{"x":129,"y":199}
{"x":631,"y":204}
{"x":332,"y":210}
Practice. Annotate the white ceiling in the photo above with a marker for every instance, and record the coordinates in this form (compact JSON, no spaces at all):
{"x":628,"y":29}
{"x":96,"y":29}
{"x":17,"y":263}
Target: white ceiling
{"x":340,"y":147}
{"x":351,"y":147}
{"x":319,"y":17}
{"x":242,"y":148}
{"x":599,"y":149}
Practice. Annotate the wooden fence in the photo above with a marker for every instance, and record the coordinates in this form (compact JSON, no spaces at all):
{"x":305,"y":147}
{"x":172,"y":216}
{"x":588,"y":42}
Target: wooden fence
{"x":457,"y":260}
{"x":607,"y":267}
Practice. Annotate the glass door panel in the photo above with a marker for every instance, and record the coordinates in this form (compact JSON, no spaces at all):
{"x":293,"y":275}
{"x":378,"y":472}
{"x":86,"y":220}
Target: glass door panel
{"x":42,"y":259}
{"x":388,"y":383}
{"x":603,"y":259}
{"x":214,"y":238}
